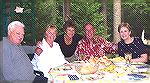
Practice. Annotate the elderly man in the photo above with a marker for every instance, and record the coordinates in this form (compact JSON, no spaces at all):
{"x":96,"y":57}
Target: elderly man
{"x":16,"y":66}
{"x":92,"y":45}
{"x":50,"y":54}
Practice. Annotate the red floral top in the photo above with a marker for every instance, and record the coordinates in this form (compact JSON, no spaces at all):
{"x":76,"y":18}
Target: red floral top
{"x":97,"y":48}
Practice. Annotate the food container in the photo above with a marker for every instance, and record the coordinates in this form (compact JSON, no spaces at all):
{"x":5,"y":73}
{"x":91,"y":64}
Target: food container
{"x":86,"y":68}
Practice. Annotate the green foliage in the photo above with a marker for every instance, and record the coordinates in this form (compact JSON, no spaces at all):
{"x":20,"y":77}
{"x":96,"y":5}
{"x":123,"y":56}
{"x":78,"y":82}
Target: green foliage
{"x":137,"y":15}
{"x":87,"y":11}
{"x":82,"y":11}
{"x":133,"y":1}
{"x":142,"y":5}
{"x":47,"y":13}
{"x":135,"y":12}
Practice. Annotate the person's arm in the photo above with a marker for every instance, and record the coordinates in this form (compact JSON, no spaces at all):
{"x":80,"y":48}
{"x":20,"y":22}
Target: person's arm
{"x":143,"y":58}
{"x":114,"y":48}
{"x":142,"y":50}
{"x":110,"y":47}
{"x":78,"y":50}
{"x":34,"y":62}
{"x":38,"y":49}
{"x":61,"y":55}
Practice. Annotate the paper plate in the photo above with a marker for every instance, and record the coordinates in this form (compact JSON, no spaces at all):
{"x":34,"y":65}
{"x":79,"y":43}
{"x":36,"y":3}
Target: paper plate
{"x":120,"y":63}
{"x":137,"y":63}
{"x":137,"y":77}
{"x":141,"y":68}
{"x":90,"y":77}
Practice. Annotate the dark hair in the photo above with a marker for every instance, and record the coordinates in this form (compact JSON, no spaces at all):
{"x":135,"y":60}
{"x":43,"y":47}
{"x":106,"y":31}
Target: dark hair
{"x":69,"y":23}
{"x":124,"y":25}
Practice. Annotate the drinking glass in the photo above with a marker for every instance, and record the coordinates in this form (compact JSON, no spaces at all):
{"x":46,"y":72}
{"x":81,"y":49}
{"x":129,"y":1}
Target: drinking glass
{"x":128,"y":57}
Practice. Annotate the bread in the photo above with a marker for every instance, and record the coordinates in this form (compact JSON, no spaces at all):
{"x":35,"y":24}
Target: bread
{"x":87,"y":69}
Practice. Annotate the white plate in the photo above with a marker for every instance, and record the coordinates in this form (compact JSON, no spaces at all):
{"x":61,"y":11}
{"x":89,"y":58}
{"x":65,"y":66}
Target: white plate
{"x":90,"y":77}
{"x":141,"y":68}
{"x":137,"y":76}
{"x":120,"y":63}
{"x":137,"y":63}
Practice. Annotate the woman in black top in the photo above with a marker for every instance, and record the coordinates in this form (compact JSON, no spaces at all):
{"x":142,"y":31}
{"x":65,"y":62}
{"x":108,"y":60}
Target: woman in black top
{"x":68,"y":41}
{"x":131,"y":44}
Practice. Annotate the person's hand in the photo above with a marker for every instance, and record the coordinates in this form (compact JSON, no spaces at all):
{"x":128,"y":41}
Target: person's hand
{"x":115,"y":47}
{"x":39,"y":43}
{"x":38,"y":49}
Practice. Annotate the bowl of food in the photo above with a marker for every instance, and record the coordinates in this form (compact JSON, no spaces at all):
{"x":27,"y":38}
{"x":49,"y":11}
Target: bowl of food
{"x":86,"y":68}
{"x":119,"y":61}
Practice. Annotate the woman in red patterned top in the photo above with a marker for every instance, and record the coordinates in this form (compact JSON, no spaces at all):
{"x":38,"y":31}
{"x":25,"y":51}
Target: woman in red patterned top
{"x":92,"y":45}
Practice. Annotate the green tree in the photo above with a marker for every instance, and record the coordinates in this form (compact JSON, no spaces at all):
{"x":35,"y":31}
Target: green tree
{"x":137,"y":13}
{"x":82,"y":11}
{"x":47,"y":13}
{"x":88,"y":11}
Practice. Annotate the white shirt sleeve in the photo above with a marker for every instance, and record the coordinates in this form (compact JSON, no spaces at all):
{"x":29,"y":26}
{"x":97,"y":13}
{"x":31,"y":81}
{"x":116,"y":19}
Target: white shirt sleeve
{"x":62,"y":56}
{"x":34,"y":62}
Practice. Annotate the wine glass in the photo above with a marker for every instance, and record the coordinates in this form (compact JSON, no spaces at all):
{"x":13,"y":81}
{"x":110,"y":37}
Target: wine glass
{"x":81,"y":57}
{"x":128,"y":56}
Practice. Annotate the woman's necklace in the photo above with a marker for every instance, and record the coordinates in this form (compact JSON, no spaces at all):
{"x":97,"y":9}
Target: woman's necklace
{"x":68,"y":40}
{"x":130,"y":40}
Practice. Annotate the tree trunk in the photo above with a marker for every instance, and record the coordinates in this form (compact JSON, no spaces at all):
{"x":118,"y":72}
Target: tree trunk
{"x":66,"y":10}
{"x":117,"y":19}
{"x":104,"y":12}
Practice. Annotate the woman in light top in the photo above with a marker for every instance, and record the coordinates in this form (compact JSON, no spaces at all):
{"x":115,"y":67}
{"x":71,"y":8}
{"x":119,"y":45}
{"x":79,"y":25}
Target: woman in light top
{"x":131,"y":44}
{"x":50,"y":54}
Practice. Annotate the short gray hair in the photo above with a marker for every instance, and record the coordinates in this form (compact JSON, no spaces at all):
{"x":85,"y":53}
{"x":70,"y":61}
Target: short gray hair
{"x":14,"y":25}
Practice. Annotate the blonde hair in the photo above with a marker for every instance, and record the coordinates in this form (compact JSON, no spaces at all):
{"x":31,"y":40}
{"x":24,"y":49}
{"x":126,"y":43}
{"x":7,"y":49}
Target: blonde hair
{"x":50,"y":26}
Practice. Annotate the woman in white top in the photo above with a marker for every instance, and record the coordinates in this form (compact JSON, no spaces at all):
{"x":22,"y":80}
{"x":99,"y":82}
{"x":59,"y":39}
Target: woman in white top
{"x":51,"y":55}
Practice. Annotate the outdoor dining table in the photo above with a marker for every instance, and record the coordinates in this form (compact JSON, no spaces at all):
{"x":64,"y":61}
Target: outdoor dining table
{"x":67,"y":74}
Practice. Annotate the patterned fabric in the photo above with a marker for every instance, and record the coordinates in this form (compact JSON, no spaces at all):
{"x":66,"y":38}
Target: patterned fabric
{"x":136,"y":48}
{"x":98,"y":47}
